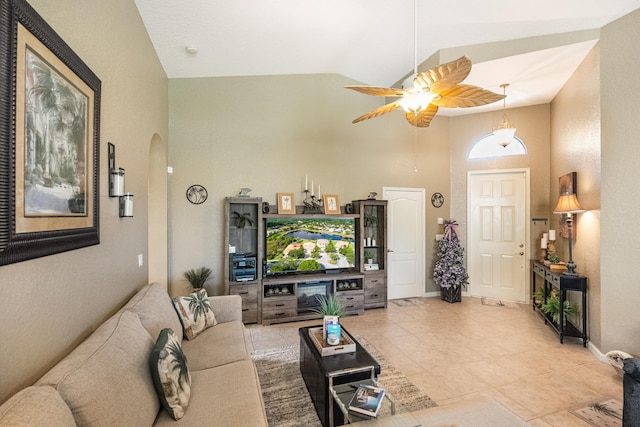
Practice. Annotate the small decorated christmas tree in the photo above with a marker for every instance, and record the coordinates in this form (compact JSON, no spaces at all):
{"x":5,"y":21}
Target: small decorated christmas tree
{"x":449,"y":271}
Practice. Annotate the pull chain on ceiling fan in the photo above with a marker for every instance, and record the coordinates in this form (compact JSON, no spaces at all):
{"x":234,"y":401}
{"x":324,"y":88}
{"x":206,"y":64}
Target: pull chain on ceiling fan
{"x":437,"y":87}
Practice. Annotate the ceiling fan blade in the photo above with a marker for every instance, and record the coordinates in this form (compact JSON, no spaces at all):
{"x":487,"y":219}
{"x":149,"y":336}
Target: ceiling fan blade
{"x":464,"y":96}
{"x":444,"y":76}
{"x":377,"y":91}
{"x":378,"y":111}
{"x":423,"y":118}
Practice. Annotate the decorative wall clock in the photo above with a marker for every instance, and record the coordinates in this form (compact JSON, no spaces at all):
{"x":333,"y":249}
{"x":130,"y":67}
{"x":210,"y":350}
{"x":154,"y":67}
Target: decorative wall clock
{"x":197,"y":194}
{"x":437,"y":200}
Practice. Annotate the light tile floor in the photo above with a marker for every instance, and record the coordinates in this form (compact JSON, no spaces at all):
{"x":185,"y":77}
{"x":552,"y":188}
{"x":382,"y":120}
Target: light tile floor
{"x":457,"y":351}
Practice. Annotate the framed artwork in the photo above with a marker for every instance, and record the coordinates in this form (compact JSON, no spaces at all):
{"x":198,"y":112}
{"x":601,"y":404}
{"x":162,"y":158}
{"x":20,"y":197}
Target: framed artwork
{"x":331,"y":204}
{"x":49,"y":140}
{"x":568,"y":185}
{"x":286,"y":203}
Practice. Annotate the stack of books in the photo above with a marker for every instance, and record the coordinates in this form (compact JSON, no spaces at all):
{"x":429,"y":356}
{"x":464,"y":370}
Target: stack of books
{"x":367,"y":400}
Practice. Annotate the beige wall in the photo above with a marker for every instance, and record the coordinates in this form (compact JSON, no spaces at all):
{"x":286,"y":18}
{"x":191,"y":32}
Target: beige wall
{"x":266,"y":133}
{"x":619,"y":242}
{"x":50,"y":304}
{"x":575,"y":147}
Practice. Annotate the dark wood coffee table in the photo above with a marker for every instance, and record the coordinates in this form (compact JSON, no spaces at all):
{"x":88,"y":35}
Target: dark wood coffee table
{"x":316,"y":371}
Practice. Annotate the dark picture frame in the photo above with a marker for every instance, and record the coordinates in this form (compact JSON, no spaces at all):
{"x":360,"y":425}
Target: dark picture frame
{"x":49,"y":140}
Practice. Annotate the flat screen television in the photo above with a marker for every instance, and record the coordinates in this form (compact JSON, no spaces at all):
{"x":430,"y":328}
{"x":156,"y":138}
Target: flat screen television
{"x":302,"y":244}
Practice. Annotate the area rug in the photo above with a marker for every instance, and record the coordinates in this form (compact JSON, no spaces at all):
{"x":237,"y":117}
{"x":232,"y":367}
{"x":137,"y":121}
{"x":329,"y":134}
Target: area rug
{"x":607,"y":413}
{"x":499,"y":303}
{"x":287,"y":401}
{"x":403,"y":302}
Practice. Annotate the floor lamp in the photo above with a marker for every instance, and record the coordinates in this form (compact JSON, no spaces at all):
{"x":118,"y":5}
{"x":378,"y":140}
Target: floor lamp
{"x":568,"y":205}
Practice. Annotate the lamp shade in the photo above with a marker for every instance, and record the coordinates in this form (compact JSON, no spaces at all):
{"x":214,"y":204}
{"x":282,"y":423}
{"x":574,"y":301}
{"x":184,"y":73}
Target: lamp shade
{"x":568,"y":203}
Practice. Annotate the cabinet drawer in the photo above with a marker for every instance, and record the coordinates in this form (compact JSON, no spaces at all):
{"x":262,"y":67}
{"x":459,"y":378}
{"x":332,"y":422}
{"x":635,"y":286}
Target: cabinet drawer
{"x":556,"y":281}
{"x":248,"y":293}
{"x":278,"y":304}
{"x":279,"y":314}
{"x":249,"y":315}
{"x":376,"y":294}
{"x":351,"y":302}
{"x":370,"y":281}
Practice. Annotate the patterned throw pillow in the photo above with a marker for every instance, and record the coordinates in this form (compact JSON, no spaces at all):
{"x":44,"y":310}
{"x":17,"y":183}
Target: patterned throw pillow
{"x":195,"y":313}
{"x":170,"y":373}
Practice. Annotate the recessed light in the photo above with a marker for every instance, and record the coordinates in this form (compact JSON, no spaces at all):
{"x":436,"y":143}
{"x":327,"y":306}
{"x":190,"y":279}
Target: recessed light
{"x":191,"y":50}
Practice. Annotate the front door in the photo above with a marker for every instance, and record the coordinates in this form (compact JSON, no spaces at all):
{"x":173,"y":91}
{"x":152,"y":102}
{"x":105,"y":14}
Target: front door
{"x":406,"y":242}
{"x":497,"y":218}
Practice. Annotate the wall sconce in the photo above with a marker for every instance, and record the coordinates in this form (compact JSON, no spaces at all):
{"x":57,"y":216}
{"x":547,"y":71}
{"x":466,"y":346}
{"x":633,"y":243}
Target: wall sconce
{"x":568,"y":205}
{"x":126,"y":205}
{"x":116,"y":183}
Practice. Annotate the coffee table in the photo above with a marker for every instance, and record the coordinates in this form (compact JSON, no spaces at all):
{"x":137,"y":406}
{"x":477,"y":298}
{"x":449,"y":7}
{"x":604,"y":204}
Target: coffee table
{"x":322,"y":372}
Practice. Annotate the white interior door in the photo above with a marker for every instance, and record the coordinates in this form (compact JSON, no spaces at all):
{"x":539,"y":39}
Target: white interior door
{"x":405,"y":242}
{"x":498,"y":221}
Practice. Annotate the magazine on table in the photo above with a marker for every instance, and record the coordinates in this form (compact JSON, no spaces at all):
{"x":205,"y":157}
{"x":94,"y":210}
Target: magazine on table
{"x":367,"y":400}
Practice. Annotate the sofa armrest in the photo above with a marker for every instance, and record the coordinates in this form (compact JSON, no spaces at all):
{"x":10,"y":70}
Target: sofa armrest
{"x":226,"y":307}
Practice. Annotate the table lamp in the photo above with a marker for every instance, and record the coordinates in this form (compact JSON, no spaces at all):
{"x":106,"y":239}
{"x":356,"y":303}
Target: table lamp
{"x":568,"y":205}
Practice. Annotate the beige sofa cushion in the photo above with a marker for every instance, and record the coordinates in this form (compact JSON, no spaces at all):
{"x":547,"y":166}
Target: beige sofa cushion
{"x":106,"y":379}
{"x":155,"y":309}
{"x":228,"y":395}
{"x":215,"y":346}
{"x":36,"y":406}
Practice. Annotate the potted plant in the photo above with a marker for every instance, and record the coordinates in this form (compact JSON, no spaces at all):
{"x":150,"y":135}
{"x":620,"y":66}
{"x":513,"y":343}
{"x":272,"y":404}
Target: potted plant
{"x":449,"y":271}
{"x":198,"y":277}
{"x":241,"y":219}
{"x":368,"y":255}
{"x":551,"y":307}
{"x":331,"y":309}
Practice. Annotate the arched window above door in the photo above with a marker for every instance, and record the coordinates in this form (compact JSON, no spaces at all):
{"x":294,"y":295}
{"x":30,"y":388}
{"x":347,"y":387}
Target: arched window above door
{"x":490,"y":146}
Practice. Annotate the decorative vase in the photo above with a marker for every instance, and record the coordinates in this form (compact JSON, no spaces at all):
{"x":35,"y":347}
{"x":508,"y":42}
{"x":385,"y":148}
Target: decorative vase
{"x":451,"y":294}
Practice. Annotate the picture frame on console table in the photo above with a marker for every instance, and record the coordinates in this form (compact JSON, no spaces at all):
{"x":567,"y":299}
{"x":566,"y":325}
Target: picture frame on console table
{"x":49,"y":193}
{"x":286,"y":203}
{"x":331,"y":204}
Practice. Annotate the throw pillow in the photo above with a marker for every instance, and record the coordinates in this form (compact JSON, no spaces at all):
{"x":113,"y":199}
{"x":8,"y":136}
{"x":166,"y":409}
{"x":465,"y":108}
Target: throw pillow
{"x":170,"y":373}
{"x":195,"y":313}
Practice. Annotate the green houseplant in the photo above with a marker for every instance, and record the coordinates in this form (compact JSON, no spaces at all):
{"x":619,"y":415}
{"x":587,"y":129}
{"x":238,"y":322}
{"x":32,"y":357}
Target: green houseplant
{"x":198,"y":277}
{"x":551,"y":307}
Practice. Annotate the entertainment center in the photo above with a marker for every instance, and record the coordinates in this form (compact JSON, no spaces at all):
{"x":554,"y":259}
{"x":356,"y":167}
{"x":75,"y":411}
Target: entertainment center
{"x":280,"y":263}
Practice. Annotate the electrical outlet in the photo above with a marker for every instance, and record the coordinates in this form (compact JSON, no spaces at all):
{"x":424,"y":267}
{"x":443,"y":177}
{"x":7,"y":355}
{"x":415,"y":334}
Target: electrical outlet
{"x":140,"y":260}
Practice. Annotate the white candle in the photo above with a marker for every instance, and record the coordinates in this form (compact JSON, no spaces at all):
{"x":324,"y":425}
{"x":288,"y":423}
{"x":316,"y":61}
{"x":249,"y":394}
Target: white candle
{"x":306,"y":182}
{"x":552,"y":235}
{"x":312,"y":187}
{"x":543,"y":243}
{"x":319,"y":193}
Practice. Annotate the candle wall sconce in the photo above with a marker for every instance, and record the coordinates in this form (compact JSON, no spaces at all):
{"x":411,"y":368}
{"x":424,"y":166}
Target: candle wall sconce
{"x":116,"y":184}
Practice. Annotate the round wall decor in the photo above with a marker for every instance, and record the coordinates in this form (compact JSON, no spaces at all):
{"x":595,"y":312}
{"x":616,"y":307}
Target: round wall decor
{"x":197,"y":194}
{"x":437,"y":200}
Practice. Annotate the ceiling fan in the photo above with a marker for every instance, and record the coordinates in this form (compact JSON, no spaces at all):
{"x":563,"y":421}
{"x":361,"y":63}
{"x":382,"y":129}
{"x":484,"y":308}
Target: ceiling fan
{"x":437,"y":87}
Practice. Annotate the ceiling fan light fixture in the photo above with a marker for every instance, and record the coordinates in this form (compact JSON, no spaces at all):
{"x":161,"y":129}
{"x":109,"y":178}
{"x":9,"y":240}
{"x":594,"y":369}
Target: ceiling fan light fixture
{"x":416,"y":100}
{"x":505,"y":131}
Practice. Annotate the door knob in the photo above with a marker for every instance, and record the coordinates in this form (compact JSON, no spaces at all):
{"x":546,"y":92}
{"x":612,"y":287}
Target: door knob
{"x":522,"y":245}
{"x":389,"y":250}
{"x":521,"y":253}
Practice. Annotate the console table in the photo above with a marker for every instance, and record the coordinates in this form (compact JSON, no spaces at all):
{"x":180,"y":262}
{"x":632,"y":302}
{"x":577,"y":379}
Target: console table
{"x":563,"y":283}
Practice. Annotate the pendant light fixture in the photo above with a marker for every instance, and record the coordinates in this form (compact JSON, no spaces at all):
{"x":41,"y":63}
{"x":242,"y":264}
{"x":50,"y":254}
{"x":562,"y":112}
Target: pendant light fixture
{"x":505,"y":130}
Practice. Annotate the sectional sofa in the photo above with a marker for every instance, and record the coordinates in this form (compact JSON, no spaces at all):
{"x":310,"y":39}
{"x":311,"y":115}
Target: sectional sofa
{"x":106,"y":380}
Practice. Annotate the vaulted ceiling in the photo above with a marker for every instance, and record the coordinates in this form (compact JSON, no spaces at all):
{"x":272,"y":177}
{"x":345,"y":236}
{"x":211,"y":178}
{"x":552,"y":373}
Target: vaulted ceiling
{"x":533,"y":45}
